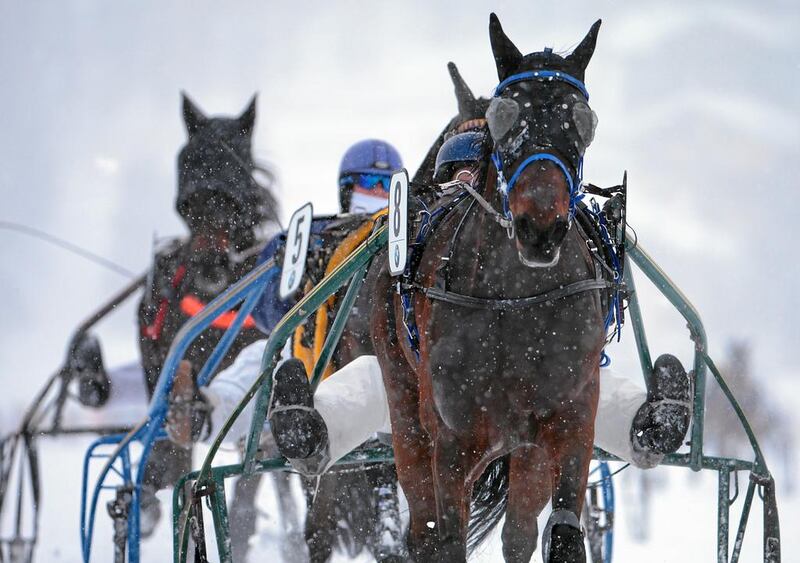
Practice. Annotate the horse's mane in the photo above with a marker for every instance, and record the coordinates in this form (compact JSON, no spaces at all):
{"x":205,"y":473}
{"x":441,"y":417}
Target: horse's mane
{"x":267,"y":180}
{"x":424,"y":174}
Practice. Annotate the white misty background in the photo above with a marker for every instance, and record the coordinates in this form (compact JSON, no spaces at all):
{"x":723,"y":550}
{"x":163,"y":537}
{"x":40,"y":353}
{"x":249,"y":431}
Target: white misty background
{"x":698,"y":102}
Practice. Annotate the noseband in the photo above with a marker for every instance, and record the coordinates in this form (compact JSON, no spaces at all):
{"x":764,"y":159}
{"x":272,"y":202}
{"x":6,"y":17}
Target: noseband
{"x":574,"y":181}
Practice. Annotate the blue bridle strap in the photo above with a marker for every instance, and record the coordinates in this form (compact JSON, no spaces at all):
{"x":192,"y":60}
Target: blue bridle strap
{"x":542,"y":74}
{"x":575,"y":194}
{"x":534,"y":158}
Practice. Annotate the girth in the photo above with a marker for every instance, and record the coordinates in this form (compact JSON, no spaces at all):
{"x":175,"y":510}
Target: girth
{"x":495,"y":304}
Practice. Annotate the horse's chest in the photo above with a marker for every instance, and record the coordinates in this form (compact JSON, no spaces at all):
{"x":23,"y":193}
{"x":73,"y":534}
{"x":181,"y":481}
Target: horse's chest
{"x":530,"y":360}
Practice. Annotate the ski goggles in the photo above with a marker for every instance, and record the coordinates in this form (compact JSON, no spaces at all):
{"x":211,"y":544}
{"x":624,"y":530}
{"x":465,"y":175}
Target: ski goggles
{"x":368,"y":181}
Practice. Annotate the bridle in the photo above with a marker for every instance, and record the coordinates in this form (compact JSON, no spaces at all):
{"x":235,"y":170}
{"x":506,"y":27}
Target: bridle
{"x":574,"y":180}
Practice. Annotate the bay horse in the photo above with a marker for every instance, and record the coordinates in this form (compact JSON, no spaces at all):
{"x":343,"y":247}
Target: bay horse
{"x":354,"y":507}
{"x":511,"y":315}
{"x":227,"y":212}
{"x":344,"y":504}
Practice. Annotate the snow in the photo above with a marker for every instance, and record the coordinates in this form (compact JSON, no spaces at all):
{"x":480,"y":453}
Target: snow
{"x":682,"y":523}
{"x":689,"y":103}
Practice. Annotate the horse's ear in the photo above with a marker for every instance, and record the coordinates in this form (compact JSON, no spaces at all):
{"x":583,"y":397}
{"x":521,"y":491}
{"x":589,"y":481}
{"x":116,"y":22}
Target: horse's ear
{"x":582,"y":54}
{"x":506,"y":55}
{"x":192,"y":116}
{"x":248,"y":118}
{"x":464,"y":96}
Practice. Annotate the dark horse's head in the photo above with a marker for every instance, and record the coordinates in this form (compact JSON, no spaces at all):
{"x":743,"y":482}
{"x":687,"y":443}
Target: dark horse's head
{"x":218,"y":195}
{"x":541,"y":124}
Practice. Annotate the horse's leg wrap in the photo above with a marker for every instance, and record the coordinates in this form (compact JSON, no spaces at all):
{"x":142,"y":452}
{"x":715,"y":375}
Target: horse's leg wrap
{"x":562,"y":530}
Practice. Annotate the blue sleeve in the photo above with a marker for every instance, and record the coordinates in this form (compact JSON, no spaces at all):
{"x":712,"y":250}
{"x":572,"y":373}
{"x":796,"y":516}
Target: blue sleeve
{"x":270,"y":309}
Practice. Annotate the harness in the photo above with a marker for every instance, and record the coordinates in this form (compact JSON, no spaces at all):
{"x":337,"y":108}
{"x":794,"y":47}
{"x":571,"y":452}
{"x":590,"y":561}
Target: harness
{"x":602,"y":229}
{"x":168,"y":290}
{"x":309,"y":338}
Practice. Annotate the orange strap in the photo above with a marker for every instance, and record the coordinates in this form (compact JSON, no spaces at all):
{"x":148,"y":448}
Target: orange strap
{"x":303,"y":353}
{"x":191,"y":305}
{"x":345,"y":248}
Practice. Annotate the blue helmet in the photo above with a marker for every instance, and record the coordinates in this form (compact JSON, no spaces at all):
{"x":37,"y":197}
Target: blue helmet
{"x":370,"y":156}
{"x":464,"y":147}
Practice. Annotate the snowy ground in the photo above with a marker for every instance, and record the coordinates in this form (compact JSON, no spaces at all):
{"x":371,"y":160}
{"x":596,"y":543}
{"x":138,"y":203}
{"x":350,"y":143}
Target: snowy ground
{"x":682,"y":522}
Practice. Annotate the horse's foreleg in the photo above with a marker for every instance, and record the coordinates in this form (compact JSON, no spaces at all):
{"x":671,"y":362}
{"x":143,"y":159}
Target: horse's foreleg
{"x":570,"y":436}
{"x":412,"y":452}
{"x":452,"y":464}
{"x":529,"y":490}
{"x":243,"y":515}
{"x":412,"y":449}
{"x":321,"y":525}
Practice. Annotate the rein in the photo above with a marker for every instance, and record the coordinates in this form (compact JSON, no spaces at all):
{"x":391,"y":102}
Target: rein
{"x":504,"y":222}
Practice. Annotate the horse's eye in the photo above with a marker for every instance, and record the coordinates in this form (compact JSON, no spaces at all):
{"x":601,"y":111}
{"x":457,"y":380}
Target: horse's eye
{"x":585,"y":122}
{"x":500,"y":117}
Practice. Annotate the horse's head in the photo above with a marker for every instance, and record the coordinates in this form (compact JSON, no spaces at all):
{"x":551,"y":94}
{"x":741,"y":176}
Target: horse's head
{"x":217,"y":194}
{"x":541,"y":124}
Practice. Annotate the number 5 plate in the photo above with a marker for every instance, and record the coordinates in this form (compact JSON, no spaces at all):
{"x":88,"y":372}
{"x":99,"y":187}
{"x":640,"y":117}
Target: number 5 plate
{"x":294,"y":256}
{"x":398,"y":222}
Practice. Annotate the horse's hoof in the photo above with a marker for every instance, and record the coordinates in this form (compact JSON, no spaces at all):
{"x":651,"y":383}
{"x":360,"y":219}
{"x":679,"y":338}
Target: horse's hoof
{"x":663,"y":421}
{"x":566,"y":545}
{"x":298,"y":429}
{"x":149,"y":512}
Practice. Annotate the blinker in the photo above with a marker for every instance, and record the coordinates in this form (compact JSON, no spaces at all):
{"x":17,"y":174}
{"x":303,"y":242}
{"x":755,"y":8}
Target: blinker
{"x":553,"y":138}
{"x":501,"y":116}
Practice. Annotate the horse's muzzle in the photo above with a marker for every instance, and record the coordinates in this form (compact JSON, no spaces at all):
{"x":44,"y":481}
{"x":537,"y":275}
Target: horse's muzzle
{"x":539,"y":248}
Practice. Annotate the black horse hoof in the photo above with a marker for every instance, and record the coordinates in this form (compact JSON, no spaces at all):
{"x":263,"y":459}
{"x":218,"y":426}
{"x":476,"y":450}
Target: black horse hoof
{"x":149,"y":512}
{"x":663,"y":421}
{"x":298,"y":429}
{"x":566,"y":545}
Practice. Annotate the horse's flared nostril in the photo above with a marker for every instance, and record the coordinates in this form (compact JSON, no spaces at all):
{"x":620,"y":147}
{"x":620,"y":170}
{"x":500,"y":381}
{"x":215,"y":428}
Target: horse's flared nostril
{"x":529,"y":233}
{"x":525,"y":228}
{"x":558,"y":231}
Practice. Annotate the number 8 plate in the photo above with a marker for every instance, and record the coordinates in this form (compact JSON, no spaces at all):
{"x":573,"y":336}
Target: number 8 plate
{"x":398,"y":222}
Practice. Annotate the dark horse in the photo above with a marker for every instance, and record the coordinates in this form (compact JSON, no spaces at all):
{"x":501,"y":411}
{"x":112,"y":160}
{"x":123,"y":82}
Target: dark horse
{"x":227,"y":212}
{"x":511,"y":326}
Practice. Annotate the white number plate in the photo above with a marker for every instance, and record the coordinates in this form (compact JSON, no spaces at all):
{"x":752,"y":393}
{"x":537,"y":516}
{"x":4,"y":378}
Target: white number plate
{"x":294,"y":258}
{"x":398,"y":222}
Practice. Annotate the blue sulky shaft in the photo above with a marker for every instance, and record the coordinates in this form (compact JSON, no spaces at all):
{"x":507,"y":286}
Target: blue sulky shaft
{"x":262,"y":387}
{"x":247,"y":292}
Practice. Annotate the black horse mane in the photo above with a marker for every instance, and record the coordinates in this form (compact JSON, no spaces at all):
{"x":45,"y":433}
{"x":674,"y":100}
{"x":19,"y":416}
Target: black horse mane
{"x":469,"y":108}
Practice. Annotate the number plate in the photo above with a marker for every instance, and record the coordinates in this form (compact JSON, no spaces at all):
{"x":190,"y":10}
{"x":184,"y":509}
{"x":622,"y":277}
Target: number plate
{"x":398,"y":222}
{"x":294,"y":258}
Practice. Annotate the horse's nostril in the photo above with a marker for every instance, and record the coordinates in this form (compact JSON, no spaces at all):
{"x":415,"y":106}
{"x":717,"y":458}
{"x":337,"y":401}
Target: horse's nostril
{"x":524,"y":227}
{"x":560,"y":228}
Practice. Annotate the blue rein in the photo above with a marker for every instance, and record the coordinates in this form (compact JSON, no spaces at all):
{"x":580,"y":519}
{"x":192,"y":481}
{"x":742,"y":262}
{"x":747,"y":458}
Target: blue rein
{"x":576,"y":182}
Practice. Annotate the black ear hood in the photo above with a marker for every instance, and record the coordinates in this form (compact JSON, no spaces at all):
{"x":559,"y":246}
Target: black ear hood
{"x":509,"y":60}
{"x":215,"y":172}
